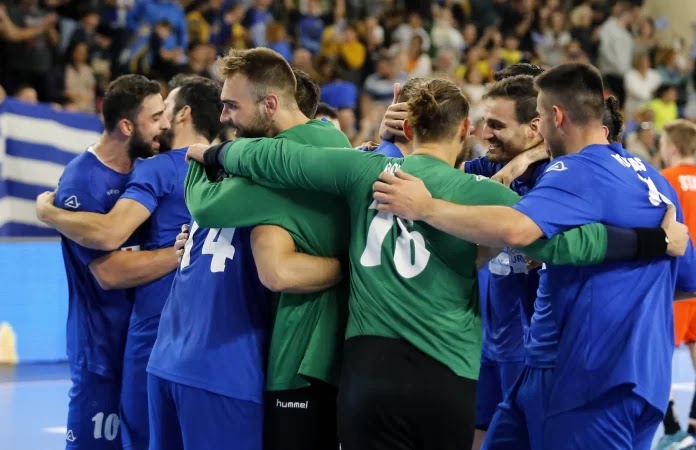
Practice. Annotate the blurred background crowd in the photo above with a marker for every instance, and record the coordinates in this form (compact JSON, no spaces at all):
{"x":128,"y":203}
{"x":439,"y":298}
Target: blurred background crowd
{"x":65,"y":52}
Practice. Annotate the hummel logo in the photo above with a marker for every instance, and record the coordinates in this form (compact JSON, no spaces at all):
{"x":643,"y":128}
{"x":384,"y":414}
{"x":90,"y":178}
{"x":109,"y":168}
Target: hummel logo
{"x":72,"y":202}
{"x":70,"y":437}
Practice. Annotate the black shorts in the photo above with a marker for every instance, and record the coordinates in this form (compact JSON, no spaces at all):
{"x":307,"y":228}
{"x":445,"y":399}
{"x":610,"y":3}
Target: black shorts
{"x":393,"y":396}
{"x":301,"y":419}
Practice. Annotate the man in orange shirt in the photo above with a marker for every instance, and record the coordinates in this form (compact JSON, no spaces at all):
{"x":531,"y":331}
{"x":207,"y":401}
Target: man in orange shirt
{"x":678,"y":149}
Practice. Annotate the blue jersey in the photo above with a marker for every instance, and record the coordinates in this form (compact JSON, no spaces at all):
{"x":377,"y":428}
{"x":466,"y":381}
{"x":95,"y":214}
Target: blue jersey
{"x":614,"y":321}
{"x":157,"y":183}
{"x":213,"y":332}
{"x":507,"y":308}
{"x":97,"y":319}
{"x":389,"y":149}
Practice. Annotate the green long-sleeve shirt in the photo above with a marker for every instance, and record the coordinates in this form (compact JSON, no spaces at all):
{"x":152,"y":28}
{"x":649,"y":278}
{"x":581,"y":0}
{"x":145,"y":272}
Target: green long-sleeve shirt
{"x":408,"y":280}
{"x":308,"y":329}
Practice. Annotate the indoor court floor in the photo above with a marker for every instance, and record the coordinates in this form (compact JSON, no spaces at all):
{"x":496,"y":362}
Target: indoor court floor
{"x":34,"y":398}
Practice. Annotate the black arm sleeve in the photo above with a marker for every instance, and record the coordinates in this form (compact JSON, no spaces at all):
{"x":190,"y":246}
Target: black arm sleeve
{"x":634,"y":244}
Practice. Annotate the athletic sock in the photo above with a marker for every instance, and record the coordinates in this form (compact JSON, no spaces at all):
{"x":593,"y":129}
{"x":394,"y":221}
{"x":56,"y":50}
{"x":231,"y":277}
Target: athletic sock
{"x":670,"y":420}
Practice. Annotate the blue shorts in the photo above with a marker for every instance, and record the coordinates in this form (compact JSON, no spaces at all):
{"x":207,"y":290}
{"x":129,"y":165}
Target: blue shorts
{"x":93,"y":420}
{"x":518,"y":422}
{"x":617,"y":419}
{"x":186,"y":417}
{"x":495,"y":379}
{"x":135,"y":427}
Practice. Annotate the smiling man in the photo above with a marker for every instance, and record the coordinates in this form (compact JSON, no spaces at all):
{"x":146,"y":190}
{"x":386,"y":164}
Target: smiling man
{"x":100,"y":304}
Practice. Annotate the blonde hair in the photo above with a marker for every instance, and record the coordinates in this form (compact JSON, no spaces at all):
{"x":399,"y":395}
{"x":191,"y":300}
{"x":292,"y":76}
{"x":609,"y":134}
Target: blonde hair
{"x":682,"y":134}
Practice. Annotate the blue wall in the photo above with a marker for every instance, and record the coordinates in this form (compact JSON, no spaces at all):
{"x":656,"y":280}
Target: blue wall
{"x":34,"y":298}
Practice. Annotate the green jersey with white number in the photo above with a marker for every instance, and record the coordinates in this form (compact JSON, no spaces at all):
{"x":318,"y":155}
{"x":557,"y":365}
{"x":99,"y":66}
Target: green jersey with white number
{"x":308,"y":329}
{"x":408,"y":280}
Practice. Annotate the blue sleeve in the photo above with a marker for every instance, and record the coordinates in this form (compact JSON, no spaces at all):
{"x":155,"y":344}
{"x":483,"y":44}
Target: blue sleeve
{"x":481,"y":166}
{"x":151,"y":180}
{"x":75,"y":199}
{"x":565,"y":197}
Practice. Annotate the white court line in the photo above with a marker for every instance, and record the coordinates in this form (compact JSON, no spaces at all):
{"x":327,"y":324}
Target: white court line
{"x":55,"y":430}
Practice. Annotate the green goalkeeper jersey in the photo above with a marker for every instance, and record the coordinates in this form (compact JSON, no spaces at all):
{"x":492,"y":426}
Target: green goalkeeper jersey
{"x":408,"y":280}
{"x":308,"y":329}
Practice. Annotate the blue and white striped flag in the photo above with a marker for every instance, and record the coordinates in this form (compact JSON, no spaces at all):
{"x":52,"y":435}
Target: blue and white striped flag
{"x":36,"y":142}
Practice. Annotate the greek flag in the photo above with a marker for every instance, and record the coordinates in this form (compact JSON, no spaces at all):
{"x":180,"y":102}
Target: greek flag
{"x":36,"y":142}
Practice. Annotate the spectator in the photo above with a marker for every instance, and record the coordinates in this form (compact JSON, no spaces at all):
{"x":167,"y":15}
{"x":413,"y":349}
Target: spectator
{"x":645,"y":39}
{"x":643,"y":143}
{"x":673,"y":68}
{"x":31,"y":37}
{"x":640,"y":84}
{"x":444,"y":34}
{"x":416,"y":62}
{"x":302,"y":59}
{"x":379,"y":86}
{"x":256,"y":20}
{"x":336,"y":92}
{"x":404,"y":32}
{"x":277,"y":39}
{"x":583,"y":32}
{"x":86,"y":32}
{"x":510,"y":52}
{"x":80,"y":84}
{"x":26,"y":93}
{"x":616,"y":49}
{"x":150,"y":13}
{"x":310,"y":27}
{"x":664,"y":106}
{"x":554,"y":40}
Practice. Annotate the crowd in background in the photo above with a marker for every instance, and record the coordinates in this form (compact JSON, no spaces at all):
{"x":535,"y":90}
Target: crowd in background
{"x":65,"y":52}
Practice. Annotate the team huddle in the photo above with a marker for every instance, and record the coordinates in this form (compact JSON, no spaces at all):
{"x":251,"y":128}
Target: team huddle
{"x":323,"y":297}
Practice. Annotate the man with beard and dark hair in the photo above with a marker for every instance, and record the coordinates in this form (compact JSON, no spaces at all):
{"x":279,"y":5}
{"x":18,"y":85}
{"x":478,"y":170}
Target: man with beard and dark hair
{"x":601,"y":372}
{"x":156,"y":192}
{"x":295,"y":239}
{"x":100,"y":301}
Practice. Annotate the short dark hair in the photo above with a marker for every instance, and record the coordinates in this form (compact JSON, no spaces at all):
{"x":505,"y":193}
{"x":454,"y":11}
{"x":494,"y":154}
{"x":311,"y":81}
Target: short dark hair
{"x":324,"y":109}
{"x":577,"y":88}
{"x":124,"y":97}
{"x":518,"y":69}
{"x":613,"y":119}
{"x":520,"y":89}
{"x":307,"y":93}
{"x":202,"y":95}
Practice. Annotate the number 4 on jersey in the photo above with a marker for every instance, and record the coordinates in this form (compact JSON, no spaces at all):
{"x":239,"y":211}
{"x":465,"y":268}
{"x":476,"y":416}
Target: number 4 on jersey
{"x":218,"y":243}
{"x":410,"y":254}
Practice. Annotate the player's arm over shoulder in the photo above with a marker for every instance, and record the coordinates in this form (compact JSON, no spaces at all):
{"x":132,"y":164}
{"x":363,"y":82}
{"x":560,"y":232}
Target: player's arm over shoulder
{"x":126,"y":269}
{"x":287,"y":164}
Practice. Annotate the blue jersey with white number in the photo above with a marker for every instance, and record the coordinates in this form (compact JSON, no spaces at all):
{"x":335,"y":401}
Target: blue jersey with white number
{"x":511,"y":289}
{"x":614,"y":321}
{"x":97,"y":319}
{"x":213,"y":331}
{"x":157,"y":183}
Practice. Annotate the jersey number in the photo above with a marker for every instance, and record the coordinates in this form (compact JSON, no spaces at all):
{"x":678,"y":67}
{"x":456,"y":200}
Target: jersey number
{"x":218,"y":243}
{"x":110,"y":426}
{"x":410,"y":254}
